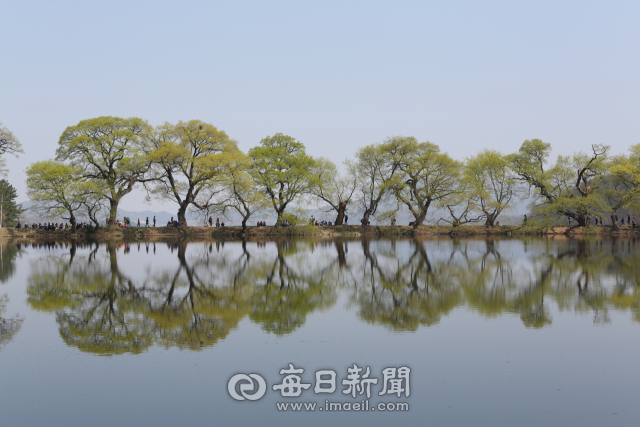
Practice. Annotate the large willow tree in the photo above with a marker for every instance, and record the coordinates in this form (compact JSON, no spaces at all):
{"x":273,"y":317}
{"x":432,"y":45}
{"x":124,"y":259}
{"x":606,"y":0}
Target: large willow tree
{"x":109,"y":152}
{"x":570,"y":187}
{"x":189,"y":159}
{"x":490,"y":183}
{"x":282,"y":169}
{"x":426,"y":176}
{"x":58,"y":189}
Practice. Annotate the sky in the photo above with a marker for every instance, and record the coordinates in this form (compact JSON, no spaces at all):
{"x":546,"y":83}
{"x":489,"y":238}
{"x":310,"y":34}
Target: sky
{"x":465,"y":75}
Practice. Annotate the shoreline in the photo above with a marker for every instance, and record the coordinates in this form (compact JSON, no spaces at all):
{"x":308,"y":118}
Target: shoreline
{"x":350,"y":231}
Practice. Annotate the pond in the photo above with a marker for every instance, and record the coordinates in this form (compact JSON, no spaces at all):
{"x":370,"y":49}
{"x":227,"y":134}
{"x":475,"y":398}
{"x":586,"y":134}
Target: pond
{"x":300,"y":332}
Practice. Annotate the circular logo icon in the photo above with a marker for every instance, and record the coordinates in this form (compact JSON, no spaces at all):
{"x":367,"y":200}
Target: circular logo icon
{"x":251,"y":387}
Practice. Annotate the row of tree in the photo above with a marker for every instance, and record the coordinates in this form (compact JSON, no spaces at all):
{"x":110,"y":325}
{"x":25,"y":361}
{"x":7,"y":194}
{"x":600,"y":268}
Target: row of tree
{"x":199,"y":167}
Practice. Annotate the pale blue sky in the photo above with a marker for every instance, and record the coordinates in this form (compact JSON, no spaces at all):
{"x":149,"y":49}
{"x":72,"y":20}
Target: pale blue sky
{"x":465,"y":75}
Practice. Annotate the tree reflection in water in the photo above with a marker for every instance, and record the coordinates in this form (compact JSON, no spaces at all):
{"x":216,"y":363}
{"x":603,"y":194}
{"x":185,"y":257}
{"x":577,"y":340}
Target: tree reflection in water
{"x":98,"y":309}
{"x":290,"y":287}
{"x":101,"y":310}
{"x":401,"y":285}
{"x":9,"y":326}
{"x":404,"y":291}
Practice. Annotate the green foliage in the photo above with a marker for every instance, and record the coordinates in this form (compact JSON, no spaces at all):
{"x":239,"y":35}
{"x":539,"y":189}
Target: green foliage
{"x":491,"y":183}
{"x":332,"y":187}
{"x":201,"y":168}
{"x":375,"y":167}
{"x":387,"y":217}
{"x":621,"y":186}
{"x":8,"y":144}
{"x":282,"y":169}
{"x":189,"y":158}
{"x":237,"y":191}
{"x":425,"y":175}
{"x":11,"y":211}
{"x":57,"y":189}
{"x":109,"y":151}
{"x":568,"y":188}
{"x":296,"y":216}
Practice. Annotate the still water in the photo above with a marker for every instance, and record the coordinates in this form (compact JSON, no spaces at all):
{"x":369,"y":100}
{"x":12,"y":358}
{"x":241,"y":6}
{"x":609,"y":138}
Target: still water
{"x":454,"y":332}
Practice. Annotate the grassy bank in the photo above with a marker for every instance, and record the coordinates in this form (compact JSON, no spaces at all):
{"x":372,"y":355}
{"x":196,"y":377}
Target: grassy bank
{"x":153,"y":233}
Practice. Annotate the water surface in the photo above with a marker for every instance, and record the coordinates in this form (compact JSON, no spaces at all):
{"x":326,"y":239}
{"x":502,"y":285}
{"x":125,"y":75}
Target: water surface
{"x":495,"y":332}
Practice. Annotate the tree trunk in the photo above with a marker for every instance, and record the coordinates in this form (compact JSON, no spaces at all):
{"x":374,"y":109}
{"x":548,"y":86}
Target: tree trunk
{"x":92,"y":217}
{"x":280,"y":212}
{"x":342,"y":207}
{"x":113,"y":211}
{"x":419,"y":219}
{"x":614,"y":220}
{"x":491,"y":220}
{"x":72,"y":220}
{"x":365,"y":218}
{"x":244,"y":227}
{"x":182,"y":218}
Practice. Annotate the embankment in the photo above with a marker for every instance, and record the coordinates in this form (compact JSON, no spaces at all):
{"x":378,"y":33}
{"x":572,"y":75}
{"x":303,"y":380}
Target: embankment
{"x":348,"y":231}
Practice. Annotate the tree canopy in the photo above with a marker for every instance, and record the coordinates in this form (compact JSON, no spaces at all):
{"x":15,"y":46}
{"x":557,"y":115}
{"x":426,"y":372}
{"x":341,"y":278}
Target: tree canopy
{"x":108,"y":150}
{"x":189,"y":158}
{"x":57,"y":189}
{"x":491,"y":183}
{"x":332,"y":187}
{"x":282,"y":168}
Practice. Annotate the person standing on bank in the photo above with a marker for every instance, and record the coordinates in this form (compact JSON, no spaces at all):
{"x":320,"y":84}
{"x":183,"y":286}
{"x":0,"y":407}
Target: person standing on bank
{"x":346,"y":219}
{"x":154,"y":223}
